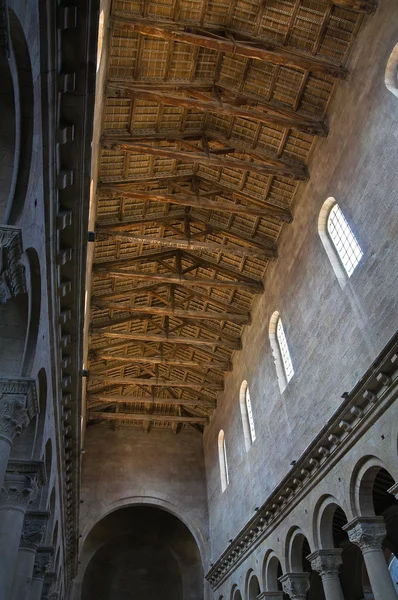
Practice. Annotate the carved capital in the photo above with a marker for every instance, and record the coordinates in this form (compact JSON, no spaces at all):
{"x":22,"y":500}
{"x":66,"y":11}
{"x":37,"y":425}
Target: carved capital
{"x":296,"y":585}
{"x":33,"y":530}
{"x":326,"y":562}
{"x":18,"y":405}
{"x":366,"y":532}
{"x":43,"y":561}
{"x":22,"y":481}
{"x":12,"y":271}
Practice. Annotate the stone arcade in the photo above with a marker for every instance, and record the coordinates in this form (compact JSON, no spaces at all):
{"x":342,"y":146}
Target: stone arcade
{"x":198,"y":300}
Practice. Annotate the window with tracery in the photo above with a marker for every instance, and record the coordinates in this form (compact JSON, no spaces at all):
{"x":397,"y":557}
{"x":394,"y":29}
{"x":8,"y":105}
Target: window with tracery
{"x":345,"y":242}
{"x":249,"y":431}
{"x":222,"y":456}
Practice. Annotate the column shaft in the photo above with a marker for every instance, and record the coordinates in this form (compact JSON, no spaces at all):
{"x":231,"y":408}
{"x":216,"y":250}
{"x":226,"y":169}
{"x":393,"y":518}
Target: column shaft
{"x":11,"y":521}
{"x":5,"y":449}
{"x":332,"y":587}
{"x":23,"y":573}
{"x":379,"y":575}
{"x":36,"y":589}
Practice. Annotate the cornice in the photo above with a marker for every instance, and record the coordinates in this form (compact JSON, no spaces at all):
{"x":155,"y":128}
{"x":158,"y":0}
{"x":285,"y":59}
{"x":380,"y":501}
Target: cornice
{"x":372,"y":395}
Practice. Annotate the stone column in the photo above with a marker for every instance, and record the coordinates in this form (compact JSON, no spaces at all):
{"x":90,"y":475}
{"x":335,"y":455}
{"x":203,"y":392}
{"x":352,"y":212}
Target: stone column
{"x":327,"y":564}
{"x":21,"y":484}
{"x":296,"y":585}
{"x":18,"y":405}
{"x":42,"y":565}
{"x":270,"y":596}
{"x":368,"y":533}
{"x":33,"y":530}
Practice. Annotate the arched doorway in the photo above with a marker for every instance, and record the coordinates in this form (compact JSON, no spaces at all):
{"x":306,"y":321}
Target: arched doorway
{"x":142,"y":553}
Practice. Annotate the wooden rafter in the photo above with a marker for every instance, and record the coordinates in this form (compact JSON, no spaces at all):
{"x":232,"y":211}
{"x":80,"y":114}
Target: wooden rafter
{"x":145,"y":417}
{"x":163,"y":338}
{"x":267,"y":211}
{"x":118,"y":399}
{"x":239,"y":318}
{"x":159,"y":360}
{"x":270,"y":114}
{"x":155,"y":382}
{"x":269,"y":166}
{"x":227,"y":41}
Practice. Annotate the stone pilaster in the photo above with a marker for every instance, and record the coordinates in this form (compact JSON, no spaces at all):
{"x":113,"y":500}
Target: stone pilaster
{"x":21,"y":484}
{"x":327,"y":563}
{"x":12,"y":271}
{"x":296,"y":585}
{"x":43,"y":563}
{"x":18,"y":405}
{"x":368,"y":534}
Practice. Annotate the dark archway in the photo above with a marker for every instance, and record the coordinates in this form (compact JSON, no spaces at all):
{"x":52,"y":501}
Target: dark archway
{"x":142,"y":553}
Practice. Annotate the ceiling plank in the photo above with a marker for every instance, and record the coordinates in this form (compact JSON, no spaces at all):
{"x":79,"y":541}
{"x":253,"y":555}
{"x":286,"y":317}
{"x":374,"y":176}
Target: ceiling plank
{"x":225,"y":42}
{"x":186,"y":341}
{"x":159,"y":360}
{"x":269,"y":166}
{"x":92,"y":414}
{"x":275,"y":115}
{"x":266,"y":253}
{"x":156,"y":382}
{"x":239,"y":318}
{"x":268,"y":211}
{"x":153,"y":400}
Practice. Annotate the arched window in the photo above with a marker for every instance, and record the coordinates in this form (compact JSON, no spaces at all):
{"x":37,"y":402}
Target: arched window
{"x":339,"y":241}
{"x":222,"y":456}
{"x":391,"y":75}
{"x":280,"y":351}
{"x":249,"y":431}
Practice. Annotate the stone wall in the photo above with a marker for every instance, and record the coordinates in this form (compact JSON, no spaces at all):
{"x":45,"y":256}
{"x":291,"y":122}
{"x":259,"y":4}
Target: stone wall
{"x":334,"y":332}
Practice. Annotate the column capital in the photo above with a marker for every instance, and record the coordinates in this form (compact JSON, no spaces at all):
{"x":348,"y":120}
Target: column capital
{"x":33,"y":529}
{"x":326,"y":562}
{"x":367,"y":533}
{"x":43,"y":561}
{"x":18,"y":405}
{"x":22,"y":481}
{"x":12,"y":271}
{"x":270,"y":596}
{"x":296,"y":585}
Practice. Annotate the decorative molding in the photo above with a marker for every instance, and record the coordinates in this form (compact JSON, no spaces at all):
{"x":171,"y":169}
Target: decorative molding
{"x":372,"y":397}
{"x":326,"y":562}
{"x":18,"y":405}
{"x":367,"y":532}
{"x":43,"y":561}
{"x":21,"y":484}
{"x":34,"y":528}
{"x":296,"y":585}
{"x":12,"y":271}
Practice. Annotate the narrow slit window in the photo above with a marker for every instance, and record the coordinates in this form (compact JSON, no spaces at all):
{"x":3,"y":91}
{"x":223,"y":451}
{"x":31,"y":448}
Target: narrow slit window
{"x":222,"y":456}
{"x":250,"y":415}
{"x":345,"y":242}
{"x":249,"y":431}
{"x":284,"y":350}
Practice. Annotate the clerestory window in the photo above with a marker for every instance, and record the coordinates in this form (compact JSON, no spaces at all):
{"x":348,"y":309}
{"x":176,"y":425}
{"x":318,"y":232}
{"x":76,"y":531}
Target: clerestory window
{"x":391,"y":74}
{"x":222,"y":456}
{"x":249,"y":431}
{"x":280,"y":351}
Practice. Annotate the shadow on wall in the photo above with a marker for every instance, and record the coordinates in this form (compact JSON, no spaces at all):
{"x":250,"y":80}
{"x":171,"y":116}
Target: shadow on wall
{"x":142,"y":553}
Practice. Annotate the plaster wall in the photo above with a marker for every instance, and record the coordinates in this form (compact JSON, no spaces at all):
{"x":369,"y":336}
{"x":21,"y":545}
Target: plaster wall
{"x":334,"y":333}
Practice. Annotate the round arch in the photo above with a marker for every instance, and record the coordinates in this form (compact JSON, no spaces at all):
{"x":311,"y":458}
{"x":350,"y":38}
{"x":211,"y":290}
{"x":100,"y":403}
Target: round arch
{"x":295,"y":542}
{"x":272,"y":570}
{"x":324,"y":512}
{"x":361,"y":485}
{"x":252,"y":585}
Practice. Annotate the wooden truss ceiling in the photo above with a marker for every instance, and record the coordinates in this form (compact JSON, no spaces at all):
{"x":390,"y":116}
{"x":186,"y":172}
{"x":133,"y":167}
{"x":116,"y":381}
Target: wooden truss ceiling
{"x":211,"y":110}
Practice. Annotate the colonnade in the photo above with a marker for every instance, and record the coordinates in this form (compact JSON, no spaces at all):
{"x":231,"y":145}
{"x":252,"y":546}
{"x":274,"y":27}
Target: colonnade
{"x":25,"y":563}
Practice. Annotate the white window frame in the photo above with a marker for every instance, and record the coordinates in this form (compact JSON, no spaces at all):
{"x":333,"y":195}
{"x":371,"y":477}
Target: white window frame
{"x":340,"y":270}
{"x":284,"y":368}
{"x":391,"y":74}
{"x":246,"y":410}
{"x":222,"y":457}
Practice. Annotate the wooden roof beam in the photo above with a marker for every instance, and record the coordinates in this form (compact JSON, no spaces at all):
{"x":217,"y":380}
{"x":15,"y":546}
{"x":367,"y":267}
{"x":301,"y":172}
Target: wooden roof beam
{"x":239,"y":318}
{"x":163,"y":338}
{"x":225,"y":41}
{"x":187,"y":244}
{"x":145,"y":417}
{"x":159,"y":360}
{"x":268,"y":166}
{"x":266,"y":212}
{"x":156,"y":382}
{"x":269,"y":114}
{"x":153,"y":400}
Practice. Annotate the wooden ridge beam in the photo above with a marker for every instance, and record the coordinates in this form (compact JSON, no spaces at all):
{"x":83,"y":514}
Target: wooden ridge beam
{"x":186,"y":341}
{"x":168,"y":362}
{"x":266,"y":253}
{"x":256,"y":49}
{"x":269,"y":166}
{"x":153,"y":400}
{"x":92,"y":414}
{"x":156,"y":382}
{"x":238,"y":318}
{"x":103,"y":273}
{"x":269,"y":115}
{"x":266,"y":212}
